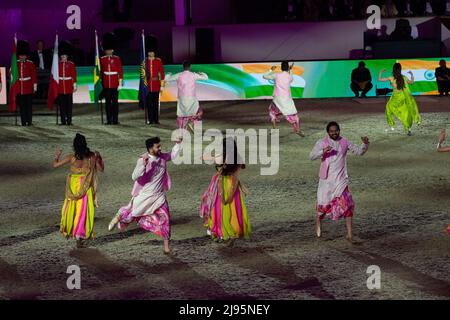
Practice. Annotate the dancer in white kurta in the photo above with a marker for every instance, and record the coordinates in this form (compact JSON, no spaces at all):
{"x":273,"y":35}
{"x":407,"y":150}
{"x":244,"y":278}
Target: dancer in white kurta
{"x":148,"y":205}
{"x":282,"y":103}
{"x":188,"y":108}
{"x":333,"y":196}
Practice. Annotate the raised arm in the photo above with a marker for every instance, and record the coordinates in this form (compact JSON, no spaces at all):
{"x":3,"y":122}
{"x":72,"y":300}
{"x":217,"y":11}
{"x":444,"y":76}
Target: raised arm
{"x":171,"y":77}
{"x":411,"y":81}
{"x":139,"y":170}
{"x":270,"y":75}
{"x":58,"y":162}
{"x":359,"y":150}
{"x":201,"y":76}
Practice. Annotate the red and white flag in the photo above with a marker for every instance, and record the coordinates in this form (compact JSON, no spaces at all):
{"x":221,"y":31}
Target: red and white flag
{"x":54,"y":78}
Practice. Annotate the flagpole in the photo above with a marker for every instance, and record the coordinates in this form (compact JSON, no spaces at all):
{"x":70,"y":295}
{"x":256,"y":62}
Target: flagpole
{"x":97,"y":56}
{"x":145,"y":67}
{"x":15,"y":97}
{"x":58,"y":102}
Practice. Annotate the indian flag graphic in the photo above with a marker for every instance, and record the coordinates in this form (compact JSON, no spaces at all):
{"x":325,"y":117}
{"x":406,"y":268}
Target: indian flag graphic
{"x":424,"y":77}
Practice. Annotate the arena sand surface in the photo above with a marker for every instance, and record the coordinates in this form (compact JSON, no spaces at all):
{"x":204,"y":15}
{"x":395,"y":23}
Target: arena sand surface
{"x":401,"y":188}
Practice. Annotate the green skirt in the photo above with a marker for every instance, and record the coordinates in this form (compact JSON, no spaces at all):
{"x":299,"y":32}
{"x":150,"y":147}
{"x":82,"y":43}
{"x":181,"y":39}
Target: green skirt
{"x":402,"y":106}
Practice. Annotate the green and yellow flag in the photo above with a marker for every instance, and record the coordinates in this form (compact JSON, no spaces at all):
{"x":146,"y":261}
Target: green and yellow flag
{"x":97,"y":79}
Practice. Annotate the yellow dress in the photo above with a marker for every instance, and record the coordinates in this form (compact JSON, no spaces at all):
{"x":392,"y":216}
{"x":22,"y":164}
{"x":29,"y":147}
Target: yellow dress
{"x":77,"y":215}
{"x":224,"y":209}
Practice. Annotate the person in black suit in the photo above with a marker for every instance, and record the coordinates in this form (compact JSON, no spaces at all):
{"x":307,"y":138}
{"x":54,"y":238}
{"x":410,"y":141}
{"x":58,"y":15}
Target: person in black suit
{"x":361,"y":80}
{"x":42,"y":59}
{"x":443,"y":78}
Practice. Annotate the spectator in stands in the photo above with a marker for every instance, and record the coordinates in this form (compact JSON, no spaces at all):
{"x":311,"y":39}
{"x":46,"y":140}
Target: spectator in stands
{"x":389,"y":10}
{"x":361,"y":80}
{"x":439,"y":7}
{"x":402,"y":7}
{"x":418,"y":7}
{"x":442,"y":74}
{"x":42,"y":59}
{"x":402,"y":31}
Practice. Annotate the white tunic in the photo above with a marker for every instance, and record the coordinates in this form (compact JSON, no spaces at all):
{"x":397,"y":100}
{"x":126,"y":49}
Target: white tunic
{"x":282,"y":96}
{"x":337,"y":179}
{"x":187,"y":102}
{"x":152,"y":195}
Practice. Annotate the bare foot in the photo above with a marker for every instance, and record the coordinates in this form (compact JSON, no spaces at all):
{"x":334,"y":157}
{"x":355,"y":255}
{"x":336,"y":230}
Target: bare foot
{"x":113,"y":223}
{"x":349,"y":239}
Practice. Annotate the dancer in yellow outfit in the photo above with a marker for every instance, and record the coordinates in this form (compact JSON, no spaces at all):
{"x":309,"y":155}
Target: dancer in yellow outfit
{"x":401,"y":104}
{"x":223,"y":206}
{"x":77,"y":219}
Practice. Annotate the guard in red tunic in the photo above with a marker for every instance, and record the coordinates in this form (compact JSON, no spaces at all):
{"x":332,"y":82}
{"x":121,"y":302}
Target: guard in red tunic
{"x":155,"y":82}
{"x":112,"y":76}
{"x":27,"y":83}
{"x":67,"y":83}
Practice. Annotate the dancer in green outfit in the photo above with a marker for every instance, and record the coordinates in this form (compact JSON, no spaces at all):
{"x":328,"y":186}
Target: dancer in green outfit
{"x":401,"y":104}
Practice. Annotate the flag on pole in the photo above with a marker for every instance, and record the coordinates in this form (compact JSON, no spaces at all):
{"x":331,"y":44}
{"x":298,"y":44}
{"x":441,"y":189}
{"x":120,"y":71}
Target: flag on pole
{"x":54,"y":77}
{"x":14,"y":88}
{"x":143,"y":85}
{"x":98,"y":88}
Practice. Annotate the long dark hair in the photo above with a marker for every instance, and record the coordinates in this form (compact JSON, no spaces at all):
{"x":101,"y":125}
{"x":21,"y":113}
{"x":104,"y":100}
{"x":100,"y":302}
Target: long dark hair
{"x":80,"y":147}
{"x":230,"y":166}
{"x":397,"y":73}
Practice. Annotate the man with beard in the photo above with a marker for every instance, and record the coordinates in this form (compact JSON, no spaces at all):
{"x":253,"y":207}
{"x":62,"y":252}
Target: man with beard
{"x":148,"y":205}
{"x":333,"y":196}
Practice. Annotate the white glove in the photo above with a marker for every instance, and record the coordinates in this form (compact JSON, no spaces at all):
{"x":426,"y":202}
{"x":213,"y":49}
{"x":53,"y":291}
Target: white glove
{"x":35,"y":87}
{"x":74,"y":87}
{"x":120,"y":85}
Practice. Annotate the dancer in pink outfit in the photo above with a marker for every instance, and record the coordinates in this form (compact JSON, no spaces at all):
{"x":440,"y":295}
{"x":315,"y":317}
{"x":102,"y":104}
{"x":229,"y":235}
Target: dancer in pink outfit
{"x":188,"y":109}
{"x":283,"y":104}
{"x":333,"y":196}
{"x":148,"y":205}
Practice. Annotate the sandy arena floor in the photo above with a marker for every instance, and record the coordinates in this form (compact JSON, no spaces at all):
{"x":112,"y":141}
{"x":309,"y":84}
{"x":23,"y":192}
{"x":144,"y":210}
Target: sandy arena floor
{"x":401,"y":188}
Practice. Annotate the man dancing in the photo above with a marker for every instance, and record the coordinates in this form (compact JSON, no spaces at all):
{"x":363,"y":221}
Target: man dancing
{"x":333,"y":196}
{"x":283,"y":104}
{"x":188,"y":109}
{"x":148,"y":205}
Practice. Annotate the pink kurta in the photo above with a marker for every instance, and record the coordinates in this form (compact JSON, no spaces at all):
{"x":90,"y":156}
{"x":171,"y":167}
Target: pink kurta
{"x":282,"y":97}
{"x":336,"y":180}
{"x":187,"y":105}
{"x":148,"y":205}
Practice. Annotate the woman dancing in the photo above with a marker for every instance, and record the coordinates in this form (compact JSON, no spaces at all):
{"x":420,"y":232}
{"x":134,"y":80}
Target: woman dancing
{"x":77,"y":219}
{"x":223,"y":206}
{"x":401,"y":104}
